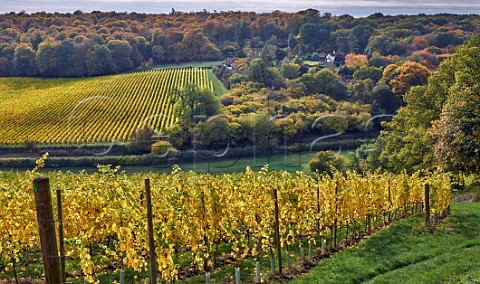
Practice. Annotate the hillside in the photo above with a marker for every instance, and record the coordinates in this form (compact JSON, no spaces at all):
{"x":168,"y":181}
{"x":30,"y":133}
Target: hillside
{"x":404,"y":254}
{"x":100,"y":109}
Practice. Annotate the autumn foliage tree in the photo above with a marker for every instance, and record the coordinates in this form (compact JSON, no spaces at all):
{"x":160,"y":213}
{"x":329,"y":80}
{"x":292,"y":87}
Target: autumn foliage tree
{"x":401,"y":78}
{"x":439,"y":125}
{"x":356,"y":60}
{"x":457,"y":132}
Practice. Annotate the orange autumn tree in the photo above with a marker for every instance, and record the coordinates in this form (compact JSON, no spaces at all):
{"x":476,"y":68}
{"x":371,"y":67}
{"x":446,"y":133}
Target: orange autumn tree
{"x":356,"y":60}
{"x":401,"y":78}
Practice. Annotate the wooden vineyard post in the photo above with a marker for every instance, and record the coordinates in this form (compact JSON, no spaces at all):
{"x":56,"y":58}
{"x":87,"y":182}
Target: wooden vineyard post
{"x":336,"y":215}
{"x":318,"y":208}
{"x":277,"y":231}
{"x":60,"y":235}
{"x":46,"y":229}
{"x":151,"y":242}
{"x":257,"y":270}
{"x":427,"y":204}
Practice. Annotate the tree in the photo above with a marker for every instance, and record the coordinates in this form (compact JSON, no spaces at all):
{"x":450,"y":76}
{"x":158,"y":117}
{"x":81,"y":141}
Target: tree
{"x":359,"y":37}
{"x":444,"y":39}
{"x":100,"y":61}
{"x":407,"y":140}
{"x":356,"y":60}
{"x":24,"y":61}
{"x":365,"y":73}
{"x":407,"y":143}
{"x":46,"y":59}
{"x":63,"y":53}
{"x":457,"y":132}
{"x":324,"y":82}
{"x":158,"y":54}
{"x":361,"y":91}
{"x":215,"y":133}
{"x":194,"y":104}
{"x":78,"y":60}
{"x":5,"y":66}
{"x":401,"y":78}
{"x":314,"y":34}
{"x":36,"y":37}
{"x":326,"y":162}
{"x":329,"y":83}
{"x":290,"y":70}
{"x":385,"y":99}
{"x":141,"y":140}
{"x":195,"y":40}
{"x":121,"y":53}
{"x":209,"y":52}
{"x":261,"y":72}
{"x":260,"y":130}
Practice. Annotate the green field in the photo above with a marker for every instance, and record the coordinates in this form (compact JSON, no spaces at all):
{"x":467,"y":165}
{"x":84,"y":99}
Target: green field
{"x":204,"y":64}
{"x":100,"y":109}
{"x":404,"y":253}
{"x":276,"y":162}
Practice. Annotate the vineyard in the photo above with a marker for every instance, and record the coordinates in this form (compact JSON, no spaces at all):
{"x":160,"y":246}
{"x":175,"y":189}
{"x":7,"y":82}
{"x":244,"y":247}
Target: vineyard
{"x":101,"y":109}
{"x":196,"y":214}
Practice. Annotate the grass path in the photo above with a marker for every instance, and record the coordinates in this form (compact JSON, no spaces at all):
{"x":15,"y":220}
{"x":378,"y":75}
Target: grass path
{"x":404,"y":253}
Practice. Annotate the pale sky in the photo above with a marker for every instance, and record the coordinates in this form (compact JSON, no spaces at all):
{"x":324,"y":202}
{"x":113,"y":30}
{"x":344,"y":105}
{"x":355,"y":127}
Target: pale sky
{"x":354,"y":8}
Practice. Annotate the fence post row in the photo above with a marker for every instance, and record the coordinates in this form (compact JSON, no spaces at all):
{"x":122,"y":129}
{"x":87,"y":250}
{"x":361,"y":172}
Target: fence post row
{"x":46,"y":229}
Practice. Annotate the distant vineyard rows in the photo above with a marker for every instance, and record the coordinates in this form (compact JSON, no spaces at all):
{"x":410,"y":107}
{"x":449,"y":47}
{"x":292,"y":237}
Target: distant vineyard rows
{"x":101,"y":109}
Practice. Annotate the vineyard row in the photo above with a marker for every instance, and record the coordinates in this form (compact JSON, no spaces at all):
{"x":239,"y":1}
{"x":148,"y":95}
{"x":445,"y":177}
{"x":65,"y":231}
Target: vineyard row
{"x":195,"y":213}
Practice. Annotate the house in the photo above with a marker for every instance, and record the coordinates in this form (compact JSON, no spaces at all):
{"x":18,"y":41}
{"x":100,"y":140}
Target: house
{"x":330,"y":59}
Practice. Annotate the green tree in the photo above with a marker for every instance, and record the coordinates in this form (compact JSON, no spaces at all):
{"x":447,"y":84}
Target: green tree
{"x":314,"y":34}
{"x":5,"y":66}
{"x":215,"y":133}
{"x":63,"y":52}
{"x":329,"y":83}
{"x":99,"y":61}
{"x":457,"y":132}
{"x":121,"y":53}
{"x":385,"y":99}
{"x":158,"y":54}
{"x":24,"y":61}
{"x":326,"y":162}
{"x":193,"y":104}
{"x":141,"y":140}
{"x":46,"y":59}
{"x":368,"y":73}
{"x":290,"y":70}
{"x":324,"y":82}
{"x":359,"y":37}
{"x":260,"y":130}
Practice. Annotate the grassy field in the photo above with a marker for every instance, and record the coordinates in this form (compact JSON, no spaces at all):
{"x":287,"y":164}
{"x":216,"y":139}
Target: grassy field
{"x":100,"y":109}
{"x":218,"y":86}
{"x":277,"y":162}
{"x":404,"y":253}
{"x":205,"y":64}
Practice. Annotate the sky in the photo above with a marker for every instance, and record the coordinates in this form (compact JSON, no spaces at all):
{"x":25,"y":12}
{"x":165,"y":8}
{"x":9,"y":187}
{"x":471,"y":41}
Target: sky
{"x":358,"y":8}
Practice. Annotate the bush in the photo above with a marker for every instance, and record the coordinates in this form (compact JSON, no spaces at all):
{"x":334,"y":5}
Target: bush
{"x":30,"y":144}
{"x":327,"y":162}
{"x":141,"y":140}
{"x":161,"y":148}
